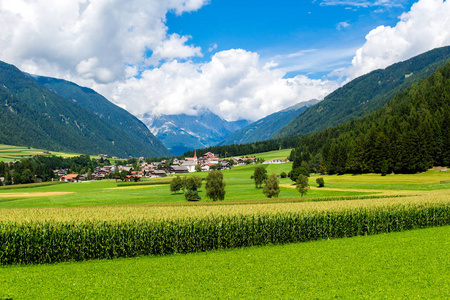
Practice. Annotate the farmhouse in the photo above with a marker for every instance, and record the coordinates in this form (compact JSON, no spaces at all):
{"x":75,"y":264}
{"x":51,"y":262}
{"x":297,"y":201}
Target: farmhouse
{"x":70,"y":178}
{"x":178,"y":170}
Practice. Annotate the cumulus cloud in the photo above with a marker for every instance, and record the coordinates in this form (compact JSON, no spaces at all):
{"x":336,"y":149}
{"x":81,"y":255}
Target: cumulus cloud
{"x":92,"y":40}
{"x":234,"y":85}
{"x":123,"y":50}
{"x":424,"y":27}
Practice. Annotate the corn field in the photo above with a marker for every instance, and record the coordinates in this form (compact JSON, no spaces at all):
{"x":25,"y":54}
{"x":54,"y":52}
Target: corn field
{"x":51,"y":241}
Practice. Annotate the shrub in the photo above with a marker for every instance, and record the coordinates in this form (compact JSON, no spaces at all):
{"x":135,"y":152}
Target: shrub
{"x":283,"y":175}
{"x":320,"y":182}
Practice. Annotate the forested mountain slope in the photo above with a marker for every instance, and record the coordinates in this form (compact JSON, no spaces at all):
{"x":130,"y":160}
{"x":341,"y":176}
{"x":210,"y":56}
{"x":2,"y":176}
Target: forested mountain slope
{"x":267,"y":127}
{"x":32,"y":115}
{"x":409,"y":134}
{"x":365,"y":94}
{"x":106,"y":111}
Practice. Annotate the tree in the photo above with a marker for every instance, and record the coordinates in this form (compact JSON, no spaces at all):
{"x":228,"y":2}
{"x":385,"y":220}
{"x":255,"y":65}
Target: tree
{"x":198,"y":168}
{"x":271,"y":189}
{"x":293,"y":175}
{"x":192,"y":184}
{"x":283,"y":175}
{"x":260,"y":176}
{"x":302,"y":184}
{"x":320,"y":182}
{"x":215,"y":187}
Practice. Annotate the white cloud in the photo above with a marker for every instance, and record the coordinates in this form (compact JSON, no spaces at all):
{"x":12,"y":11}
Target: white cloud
{"x":234,"y":85}
{"x":426,"y":26}
{"x":122,"y":49}
{"x":90,"y":40}
{"x":342,"y":25}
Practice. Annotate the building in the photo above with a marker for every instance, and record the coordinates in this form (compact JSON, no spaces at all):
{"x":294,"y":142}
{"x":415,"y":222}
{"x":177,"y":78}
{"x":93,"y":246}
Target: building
{"x":70,"y":178}
{"x":191,"y":162}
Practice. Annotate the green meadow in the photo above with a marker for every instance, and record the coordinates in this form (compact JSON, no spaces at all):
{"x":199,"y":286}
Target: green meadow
{"x":405,"y":265}
{"x":400,"y":265}
{"x":8,"y":152}
{"x":240,"y":187}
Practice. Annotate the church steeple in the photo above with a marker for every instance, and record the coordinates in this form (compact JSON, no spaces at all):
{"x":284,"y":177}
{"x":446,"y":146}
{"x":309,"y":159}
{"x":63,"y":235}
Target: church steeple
{"x":195,"y":153}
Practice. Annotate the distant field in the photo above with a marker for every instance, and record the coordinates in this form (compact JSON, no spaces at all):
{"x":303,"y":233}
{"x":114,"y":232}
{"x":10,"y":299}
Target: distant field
{"x":278,"y":154}
{"x":8,"y":152}
{"x":240,"y":187}
{"x":405,"y":265}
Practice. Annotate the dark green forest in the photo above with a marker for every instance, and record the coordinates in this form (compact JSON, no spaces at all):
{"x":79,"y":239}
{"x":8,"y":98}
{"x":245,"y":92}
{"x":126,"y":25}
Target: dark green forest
{"x":410,"y":134}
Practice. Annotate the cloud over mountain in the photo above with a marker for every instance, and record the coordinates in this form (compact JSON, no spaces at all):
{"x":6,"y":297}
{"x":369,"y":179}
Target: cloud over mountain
{"x":424,"y":27}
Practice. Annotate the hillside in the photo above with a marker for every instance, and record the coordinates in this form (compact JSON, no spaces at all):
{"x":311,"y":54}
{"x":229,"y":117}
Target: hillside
{"x":32,"y":115}
{"x":409,"y":134}
{"x":182,"y":132}
{"x":267,"y":127}
{"x":106,"y":111}
{"x":365,"y":94}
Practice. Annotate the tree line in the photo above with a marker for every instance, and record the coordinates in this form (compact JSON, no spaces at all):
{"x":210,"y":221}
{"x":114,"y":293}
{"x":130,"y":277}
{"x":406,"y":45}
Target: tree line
{"x":41,"y":168}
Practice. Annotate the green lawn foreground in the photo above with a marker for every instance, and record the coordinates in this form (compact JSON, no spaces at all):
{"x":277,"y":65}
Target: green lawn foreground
{"x":405,"y":265}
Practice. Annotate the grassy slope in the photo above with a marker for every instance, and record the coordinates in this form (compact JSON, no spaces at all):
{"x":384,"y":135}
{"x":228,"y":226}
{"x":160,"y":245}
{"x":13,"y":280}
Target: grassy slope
{"x":239,"y":187}
{"x":402,"y":265}
{"x":8,"y":152}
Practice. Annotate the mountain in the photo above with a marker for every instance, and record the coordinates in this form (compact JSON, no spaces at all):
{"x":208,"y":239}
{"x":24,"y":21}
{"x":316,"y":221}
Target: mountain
{"x":181,"y":133}
{"x":267,"y":127}
{"x":365,"y":94}
{"x":409,"y":134}
{"x":33,"y":115}
{"x":105,"y":110}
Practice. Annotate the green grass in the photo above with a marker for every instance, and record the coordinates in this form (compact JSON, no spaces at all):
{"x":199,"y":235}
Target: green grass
{"x":406,"y":265}
{"x":239,"y":187}
{"x":8,"y":152}
{"x":277,"y":154}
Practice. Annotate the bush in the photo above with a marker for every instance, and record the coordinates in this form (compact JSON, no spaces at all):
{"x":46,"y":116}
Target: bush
{"x":320,"y":182}
{"x":295,"y":173}
{"x":283,"y":175}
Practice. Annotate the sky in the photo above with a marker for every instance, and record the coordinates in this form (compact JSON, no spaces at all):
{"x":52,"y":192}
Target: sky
{"x":240,"y":59}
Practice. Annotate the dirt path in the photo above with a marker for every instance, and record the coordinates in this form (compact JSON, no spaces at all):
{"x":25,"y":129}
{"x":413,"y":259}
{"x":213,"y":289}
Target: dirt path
{"x":7,"y":195}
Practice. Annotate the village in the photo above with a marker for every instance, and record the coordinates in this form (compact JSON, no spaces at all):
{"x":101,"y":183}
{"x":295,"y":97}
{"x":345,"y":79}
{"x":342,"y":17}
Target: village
{"x":175,"y":166}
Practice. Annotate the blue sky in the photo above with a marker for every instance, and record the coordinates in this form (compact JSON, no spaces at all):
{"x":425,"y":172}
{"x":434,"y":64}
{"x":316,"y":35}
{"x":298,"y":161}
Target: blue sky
{"x":279,"y":28}
{"x":240,"y":59}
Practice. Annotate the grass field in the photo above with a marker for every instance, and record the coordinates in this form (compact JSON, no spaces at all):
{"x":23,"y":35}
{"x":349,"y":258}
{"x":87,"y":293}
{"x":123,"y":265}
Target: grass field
{"x":8,"y":153}
{"x":277,"y":154}
{"x":394,"y":265}
{"x":405,"y":265}
{"x":239,"y":188}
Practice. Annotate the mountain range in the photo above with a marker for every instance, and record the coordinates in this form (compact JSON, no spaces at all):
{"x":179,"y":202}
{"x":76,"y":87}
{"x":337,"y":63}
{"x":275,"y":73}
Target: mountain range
{"x":59,"y":115}
{"x":267,"y":127}
{"x":39,"y":116}
{"x":365,"y":94}
{"x":181,"y":133}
